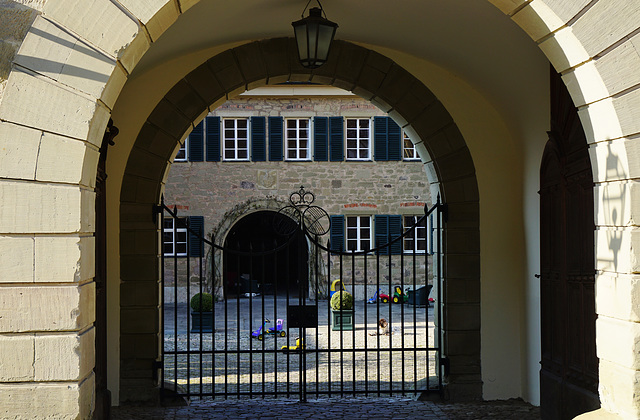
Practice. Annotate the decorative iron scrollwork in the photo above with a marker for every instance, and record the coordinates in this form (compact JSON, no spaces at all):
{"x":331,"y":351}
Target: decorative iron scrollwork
{"x":312,"y":219}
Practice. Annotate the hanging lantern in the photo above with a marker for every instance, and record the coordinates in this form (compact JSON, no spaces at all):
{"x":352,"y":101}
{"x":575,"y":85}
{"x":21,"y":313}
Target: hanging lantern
{"x":313,"y":37}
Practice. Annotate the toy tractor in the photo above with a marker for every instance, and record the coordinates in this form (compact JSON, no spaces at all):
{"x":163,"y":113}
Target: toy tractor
{"x":278,"y":330}
{"x":299,"y":345}
{"x":399,"y":296}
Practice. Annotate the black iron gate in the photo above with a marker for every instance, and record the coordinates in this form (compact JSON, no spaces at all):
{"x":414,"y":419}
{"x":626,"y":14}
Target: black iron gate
{"x":262,"y":333}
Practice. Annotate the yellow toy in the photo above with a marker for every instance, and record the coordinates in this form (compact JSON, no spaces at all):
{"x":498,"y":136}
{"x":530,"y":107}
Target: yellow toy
{"x":336,"y":286}
{"x":299,"y":345}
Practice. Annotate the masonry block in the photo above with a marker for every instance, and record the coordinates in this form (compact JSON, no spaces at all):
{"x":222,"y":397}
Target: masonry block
{"x":349,"y":65}
{"x":146,"y":165}
{"x":139,"y":320}
{"x":65,"y":357}
{"x":138,"y":346}
{"x":251,"y":62}
{"x":461,"y":190}
{"x":20,"y":151}
{"x":627,"y":107}
{"x":585,"y":84}
{"x":564,"y":50}
{"x":16,"y":259}
{"x":41,"y":103}
{"x":537,"y":20}
{"x":618,"y":296}
{"x":16,"y":358}
{"x":104,"y":25}
{"x":602,"y":25}
{"x":64,"y":259}
{"x":432,"y":119}
{"x":167,"y":117}
{"x":618,"y":203}
{"x":58,"y":160}
{"x":58,"y":54}
{"x":456,"y":165}
{"x":42,"y":208}
{"x":51,"y":308}
{"x":615,"y":249}
{"x":463,"y":317}
{"x":508,"y":6}
{"x":156,"y":15}
{"x":619,"y":67}
{"x":600,"y":121}
{"x":618,"y":389}
{"x":617,"y":340}
{"x":63,"y":401}
{"x":396,"y":85}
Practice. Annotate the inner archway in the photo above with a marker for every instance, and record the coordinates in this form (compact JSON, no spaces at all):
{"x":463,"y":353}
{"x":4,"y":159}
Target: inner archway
{"x":284,"y":272}
{"x":449,"y":169}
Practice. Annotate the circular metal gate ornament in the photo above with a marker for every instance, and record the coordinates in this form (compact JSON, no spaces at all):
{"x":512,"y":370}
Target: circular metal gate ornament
{"x":301,"y":212}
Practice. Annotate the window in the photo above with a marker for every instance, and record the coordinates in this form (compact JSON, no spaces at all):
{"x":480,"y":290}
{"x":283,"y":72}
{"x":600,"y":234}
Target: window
{"x":174,"y":237}
{"x":181,"y":156}
{"x":358,"y":139}
{"x":297,"y":138}
{"x":416,"y":239}
{"x":358,"y":233}
{"x":410,"y":152}
{"x":235,"y":139}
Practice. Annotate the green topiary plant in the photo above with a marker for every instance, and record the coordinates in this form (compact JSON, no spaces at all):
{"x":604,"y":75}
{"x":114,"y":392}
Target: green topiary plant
{"x":202,"y":302}
{"x":341,"y":300}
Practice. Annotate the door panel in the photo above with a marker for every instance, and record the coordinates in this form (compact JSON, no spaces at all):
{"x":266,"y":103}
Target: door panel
{"x":569,"y":373}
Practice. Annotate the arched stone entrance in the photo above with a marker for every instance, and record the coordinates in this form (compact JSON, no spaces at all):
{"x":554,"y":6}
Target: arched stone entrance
{"x":363,"y":71}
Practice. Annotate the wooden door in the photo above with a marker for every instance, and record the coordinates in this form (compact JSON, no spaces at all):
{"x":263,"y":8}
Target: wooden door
{"x":569,"y":372}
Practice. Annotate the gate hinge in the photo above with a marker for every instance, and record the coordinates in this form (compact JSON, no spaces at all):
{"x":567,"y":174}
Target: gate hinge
{"x":157,"y":209}
{"x":156,"y":365}
{"x":446,"y":363}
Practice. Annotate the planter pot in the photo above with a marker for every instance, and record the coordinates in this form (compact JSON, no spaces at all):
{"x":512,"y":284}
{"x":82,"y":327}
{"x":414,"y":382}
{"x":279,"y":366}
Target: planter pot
{"x":342,"y":320}
{"x":201,"y":322}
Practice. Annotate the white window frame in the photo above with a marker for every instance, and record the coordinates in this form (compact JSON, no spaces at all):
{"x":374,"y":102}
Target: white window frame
{"x":409,"y":151}
{"x":297,"y":150}
{"x":359,"y":229}
{"x":410,"y":242}
{"x":236,"y":149}
{"x":183,"y":149}
{"x":169,"y":233}
{"x":358,"y":138}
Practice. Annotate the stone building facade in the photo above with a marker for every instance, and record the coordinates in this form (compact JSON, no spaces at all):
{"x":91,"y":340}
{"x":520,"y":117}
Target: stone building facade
{"x":223,"y":191}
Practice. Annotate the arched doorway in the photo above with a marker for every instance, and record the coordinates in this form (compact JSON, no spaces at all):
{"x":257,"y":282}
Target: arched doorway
{"x":285,"y":273}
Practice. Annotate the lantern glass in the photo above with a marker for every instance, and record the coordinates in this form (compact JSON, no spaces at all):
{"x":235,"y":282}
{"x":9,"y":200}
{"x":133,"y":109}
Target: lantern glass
{"x":313,"y":38}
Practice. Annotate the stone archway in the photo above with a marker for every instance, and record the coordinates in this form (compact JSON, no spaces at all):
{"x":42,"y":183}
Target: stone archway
{"x":366,"y":73}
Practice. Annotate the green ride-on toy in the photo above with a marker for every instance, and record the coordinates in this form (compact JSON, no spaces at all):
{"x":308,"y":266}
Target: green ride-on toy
{"x":399,"y":296}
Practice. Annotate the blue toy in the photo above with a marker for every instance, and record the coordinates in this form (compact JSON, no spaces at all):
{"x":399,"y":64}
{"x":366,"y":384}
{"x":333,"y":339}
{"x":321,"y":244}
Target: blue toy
{"x":278,"y":330}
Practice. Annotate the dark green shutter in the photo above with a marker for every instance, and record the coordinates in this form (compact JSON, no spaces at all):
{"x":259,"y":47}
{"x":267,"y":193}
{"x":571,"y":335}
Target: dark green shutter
{"x":380,"y":136}
{"x":213,"y":139}
{"x":387,"y":141}
{"x":196,"y":144}
{"x":275,"y":138}
{"x":258,"y":139}
{"x":196,"y":224}
{"x":394,"y":145}
{"x":336,"y":139}
{"x":388,"y":228}
{"x":320,"y":139}
{"x":337,"y":233}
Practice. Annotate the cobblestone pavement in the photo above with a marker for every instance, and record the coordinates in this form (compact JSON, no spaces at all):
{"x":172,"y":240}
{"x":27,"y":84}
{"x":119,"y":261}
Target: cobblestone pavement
{"x":346,"y":408}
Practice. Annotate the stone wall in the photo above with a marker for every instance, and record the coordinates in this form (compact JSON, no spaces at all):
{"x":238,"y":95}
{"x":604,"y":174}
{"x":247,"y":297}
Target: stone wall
{"x":224,"y":192}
